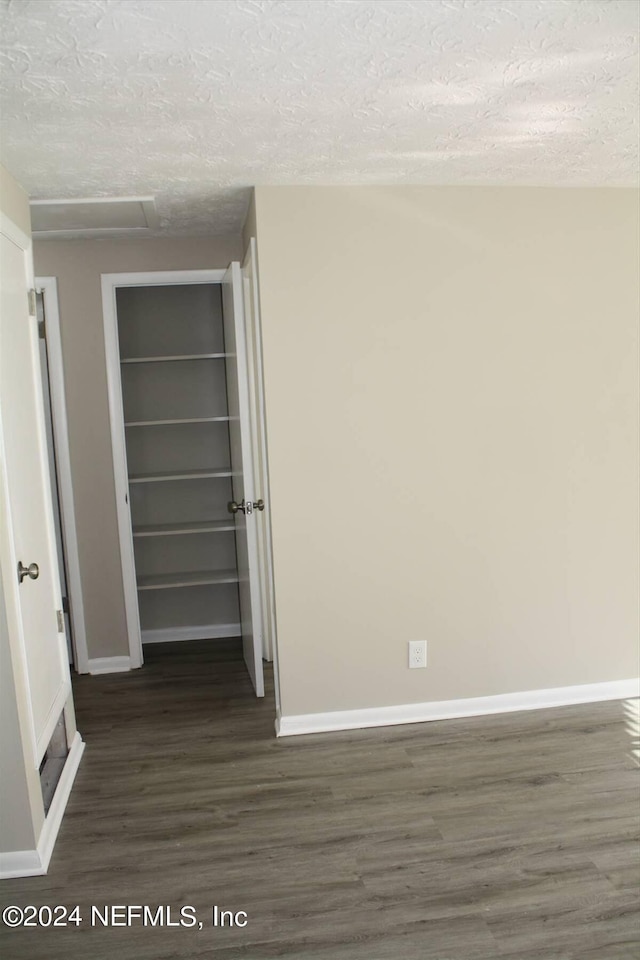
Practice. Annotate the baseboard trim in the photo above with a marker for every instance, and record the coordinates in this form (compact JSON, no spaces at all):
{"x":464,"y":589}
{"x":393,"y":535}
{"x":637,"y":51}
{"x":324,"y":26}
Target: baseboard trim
{"x":35,"y":863}
{"x":451,"y":709}
{"x":214,"y":631}
{"x":109,"y":665}
{"x":20,"y":863}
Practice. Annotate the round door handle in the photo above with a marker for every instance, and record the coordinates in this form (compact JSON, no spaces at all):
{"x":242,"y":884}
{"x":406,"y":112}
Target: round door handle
{"x":245,"y":508}
{"x":32,"y":571}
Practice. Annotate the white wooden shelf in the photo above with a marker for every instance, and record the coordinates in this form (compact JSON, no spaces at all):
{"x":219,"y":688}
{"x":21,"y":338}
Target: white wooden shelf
{"x":184,"y":356}
{"x":180,"y":475}
{"x":164,"y":423}
{"x":174,"y":529}
{"x":164,"y":581}
{"x":173,"y":373}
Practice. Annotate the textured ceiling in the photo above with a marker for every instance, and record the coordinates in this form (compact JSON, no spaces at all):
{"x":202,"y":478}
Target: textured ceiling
{"x":194,"y":101}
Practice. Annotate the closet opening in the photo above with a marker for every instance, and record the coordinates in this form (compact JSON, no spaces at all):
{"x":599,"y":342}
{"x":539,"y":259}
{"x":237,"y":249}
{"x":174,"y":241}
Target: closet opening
{"x":187,"y":424}
{"x":176,"y":420}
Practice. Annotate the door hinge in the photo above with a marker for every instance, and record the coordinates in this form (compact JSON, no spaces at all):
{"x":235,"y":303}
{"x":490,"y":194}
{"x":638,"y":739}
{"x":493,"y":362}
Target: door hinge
{"x":60,"y":617}
{"x":32,"y":303}
{"x":65,"y":604}
{"x":42,"y":330}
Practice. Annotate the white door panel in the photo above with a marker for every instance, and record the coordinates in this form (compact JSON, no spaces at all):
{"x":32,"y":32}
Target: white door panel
{"x":28,"y":535}
{"x":243,"y":473}
{"x":258,"y":434}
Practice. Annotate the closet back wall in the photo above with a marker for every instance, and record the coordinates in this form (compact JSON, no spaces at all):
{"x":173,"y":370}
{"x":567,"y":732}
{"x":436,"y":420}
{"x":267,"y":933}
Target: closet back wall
{"x":78,"y":265}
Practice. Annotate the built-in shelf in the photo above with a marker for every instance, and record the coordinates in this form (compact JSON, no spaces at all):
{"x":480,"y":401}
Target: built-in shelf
{"x":180,"y":475}
{"x":186,"y":356}
{"x":173,"y":374}
{"x":164,"y":581}
{"x":165,"y":423}
{"x":173,"y":529}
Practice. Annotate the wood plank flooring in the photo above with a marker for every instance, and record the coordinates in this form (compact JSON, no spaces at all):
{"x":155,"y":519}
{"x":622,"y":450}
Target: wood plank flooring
{"x":494,"y":838}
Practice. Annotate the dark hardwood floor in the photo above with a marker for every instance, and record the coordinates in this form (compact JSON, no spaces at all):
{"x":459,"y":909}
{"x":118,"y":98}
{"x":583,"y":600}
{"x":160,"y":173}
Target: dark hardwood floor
{"x":511,"y":837}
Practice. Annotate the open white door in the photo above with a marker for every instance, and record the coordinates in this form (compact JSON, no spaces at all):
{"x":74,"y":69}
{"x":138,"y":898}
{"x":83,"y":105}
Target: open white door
{"x":27,"y":540}
{"x":244,"y":501}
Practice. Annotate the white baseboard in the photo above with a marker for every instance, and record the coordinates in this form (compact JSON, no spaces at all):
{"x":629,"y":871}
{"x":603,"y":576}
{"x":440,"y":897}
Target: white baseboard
{"x":450,"y":709}
{"x":109,"y":665}
{"x":20,"y":863}
{"x":35,"y":863}
{"x":214,"y":631}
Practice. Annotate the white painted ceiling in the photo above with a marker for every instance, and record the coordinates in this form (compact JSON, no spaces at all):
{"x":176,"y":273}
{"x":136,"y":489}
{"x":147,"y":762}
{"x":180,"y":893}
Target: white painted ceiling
{"x":194,"y":101}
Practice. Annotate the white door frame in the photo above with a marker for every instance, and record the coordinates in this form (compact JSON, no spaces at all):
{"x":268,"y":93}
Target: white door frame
{"x":110,"y":283}
{"x":48,"y":287}
{"x":241,"y":429}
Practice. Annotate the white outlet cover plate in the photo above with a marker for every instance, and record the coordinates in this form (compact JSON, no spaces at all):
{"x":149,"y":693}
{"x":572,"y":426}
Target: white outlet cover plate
{"x":417,"y":654}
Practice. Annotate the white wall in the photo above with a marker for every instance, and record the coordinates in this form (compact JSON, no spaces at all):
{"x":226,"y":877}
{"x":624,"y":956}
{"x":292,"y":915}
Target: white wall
{"x":78,"y":265}
{"x":451,"y":390}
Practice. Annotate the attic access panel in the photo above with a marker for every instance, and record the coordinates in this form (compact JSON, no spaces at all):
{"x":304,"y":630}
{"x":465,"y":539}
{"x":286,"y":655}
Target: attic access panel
{"x":93,"y":215}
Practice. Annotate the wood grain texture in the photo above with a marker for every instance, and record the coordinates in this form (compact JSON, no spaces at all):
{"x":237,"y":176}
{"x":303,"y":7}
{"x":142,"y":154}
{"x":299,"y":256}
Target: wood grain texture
{"x":507,"y":837}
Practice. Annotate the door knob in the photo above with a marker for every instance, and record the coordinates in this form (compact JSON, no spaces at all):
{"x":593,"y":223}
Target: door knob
{"x":32,"y":571}
{"x":246,"y":508}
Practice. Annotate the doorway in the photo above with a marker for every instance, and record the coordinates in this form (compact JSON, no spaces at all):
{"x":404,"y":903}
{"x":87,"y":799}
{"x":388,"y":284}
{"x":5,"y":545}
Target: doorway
{"x":57,"y":442}
{"x":188,"y":504}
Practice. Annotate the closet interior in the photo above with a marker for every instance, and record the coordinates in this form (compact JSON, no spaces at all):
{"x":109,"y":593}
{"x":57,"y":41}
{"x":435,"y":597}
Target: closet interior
{"x":172,"y":363}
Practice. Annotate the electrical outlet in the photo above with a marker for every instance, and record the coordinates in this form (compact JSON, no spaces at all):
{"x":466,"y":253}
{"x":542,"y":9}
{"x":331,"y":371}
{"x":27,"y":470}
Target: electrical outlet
{"x":417,"y":654}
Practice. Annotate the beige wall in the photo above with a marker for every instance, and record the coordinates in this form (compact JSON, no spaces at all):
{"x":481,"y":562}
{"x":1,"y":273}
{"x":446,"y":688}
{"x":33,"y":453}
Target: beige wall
{"x":250,"y":227}
{"x":18,"y":778}
{"x":451,"y":391}
{"x":78,"y":265}
{"x":14,"y":200}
